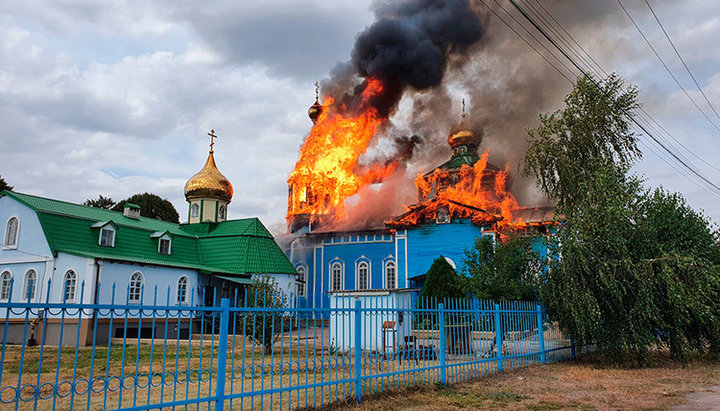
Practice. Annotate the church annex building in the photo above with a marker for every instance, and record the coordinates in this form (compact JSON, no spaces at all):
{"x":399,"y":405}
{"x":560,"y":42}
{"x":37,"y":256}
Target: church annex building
{"x":61,"y":252}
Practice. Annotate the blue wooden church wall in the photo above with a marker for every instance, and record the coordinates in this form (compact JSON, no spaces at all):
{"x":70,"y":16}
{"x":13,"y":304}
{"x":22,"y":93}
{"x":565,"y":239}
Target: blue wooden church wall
{"x":413,"y":251}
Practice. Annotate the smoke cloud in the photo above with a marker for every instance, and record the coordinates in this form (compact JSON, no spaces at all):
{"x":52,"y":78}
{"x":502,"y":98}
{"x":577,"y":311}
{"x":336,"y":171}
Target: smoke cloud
{"x":409,"y":46}
{"x":434,"y":53}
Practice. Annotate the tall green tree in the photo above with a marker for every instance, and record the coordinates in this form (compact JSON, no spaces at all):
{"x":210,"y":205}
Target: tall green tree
{"x":4,"y":185}
{"x":151,"y":206}
{"x":508,"y":270}
{"x":100,"y":202}
{"x":590,"y":135}
{"x":621,"y":277}
{"x":442,"y":281}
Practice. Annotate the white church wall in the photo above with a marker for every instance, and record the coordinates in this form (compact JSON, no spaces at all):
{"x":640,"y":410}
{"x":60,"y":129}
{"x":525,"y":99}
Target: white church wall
{"x":31,"y":239}
{"x":164,"y":278}
{"x":83,"y":269}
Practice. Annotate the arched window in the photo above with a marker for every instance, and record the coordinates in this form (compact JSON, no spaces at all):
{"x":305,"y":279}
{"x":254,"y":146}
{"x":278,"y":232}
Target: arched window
{"x":70,"y":282}
{"x":30,"y":284}
{"x":135,"y":289}
{"x":336,"y":271}
{"x":300,"y":281}
{"x":390,"y":277}
{"x":182,"y":290}
{"x":221,"y":212}
{"x":362,"y":276}
{"x":11,"y":233}
{"x":5,"y":285}
{"x":195,"y":210}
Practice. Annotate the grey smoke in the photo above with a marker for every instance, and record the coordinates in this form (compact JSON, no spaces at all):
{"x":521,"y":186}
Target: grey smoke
{"x":410,"y":44}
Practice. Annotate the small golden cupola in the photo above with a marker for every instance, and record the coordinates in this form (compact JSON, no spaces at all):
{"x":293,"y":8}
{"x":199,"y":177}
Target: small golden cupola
{"x":315,"y":110}
{"x":208,"y":192}
{"x":462,"y":138}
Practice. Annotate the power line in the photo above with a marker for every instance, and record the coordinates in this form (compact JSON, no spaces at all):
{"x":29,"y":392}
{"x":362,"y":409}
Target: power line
{"x":650,"y":119}
{"x":666,"y":66}
{"x":665,"y":145}
{"x":632,"y":118}
{"x":539,"y":3}
{"x":530,"y":45}
{"x":667,"y":36}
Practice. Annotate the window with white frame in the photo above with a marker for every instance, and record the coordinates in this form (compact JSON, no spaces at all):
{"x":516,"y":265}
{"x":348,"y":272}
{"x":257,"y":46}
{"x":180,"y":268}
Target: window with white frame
{"x":69,"y":289}
{"x":135,"y":289}
{"x":336,"y":277}
{"x":362,"y":276}
{"x":11,"y":233}
{"x":195,"y":210}
{"x":300,"y":281}
{"x":182,"y":290}
{"x":390,"y":276}
{"x":222,"y":210}
{"x":107,"y":236}
{"x":165,"y":245}
{"x":5,"y":285}
{"x":30,"y":285}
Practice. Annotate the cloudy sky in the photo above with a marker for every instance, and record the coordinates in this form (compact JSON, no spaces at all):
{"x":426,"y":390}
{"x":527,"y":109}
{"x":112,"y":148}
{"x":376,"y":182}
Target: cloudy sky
{"x":117,"y":98}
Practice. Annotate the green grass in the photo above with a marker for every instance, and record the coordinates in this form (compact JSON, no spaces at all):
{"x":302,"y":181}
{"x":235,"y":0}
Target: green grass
{"x":133,"y":354}
{"x":466,"y":399}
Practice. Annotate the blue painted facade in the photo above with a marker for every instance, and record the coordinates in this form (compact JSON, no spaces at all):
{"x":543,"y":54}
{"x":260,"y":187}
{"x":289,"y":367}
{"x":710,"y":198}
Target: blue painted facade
{"x":412,"y":251}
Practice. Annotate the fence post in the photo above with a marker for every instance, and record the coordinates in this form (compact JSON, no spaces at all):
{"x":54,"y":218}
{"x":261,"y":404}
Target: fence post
{"x":498,"y":337}
{"x":222,"y":354}
{"x":358,"y":351}
{"x":541,"y":337}
{"x":443,"y":343}
{"x":572,"y":347}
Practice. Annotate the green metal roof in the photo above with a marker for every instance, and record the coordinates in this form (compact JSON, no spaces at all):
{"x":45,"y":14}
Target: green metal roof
{"x":460,"y":159}
{"x":238,"y":280}
{"x":242,"y":246}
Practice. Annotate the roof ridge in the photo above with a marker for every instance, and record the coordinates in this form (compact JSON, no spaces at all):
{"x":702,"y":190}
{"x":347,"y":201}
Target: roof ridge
{"x":19,"y":196}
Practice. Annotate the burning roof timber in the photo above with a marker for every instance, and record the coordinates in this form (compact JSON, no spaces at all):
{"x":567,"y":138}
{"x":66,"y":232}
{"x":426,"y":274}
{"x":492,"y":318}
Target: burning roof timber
{"x":408,"y":48}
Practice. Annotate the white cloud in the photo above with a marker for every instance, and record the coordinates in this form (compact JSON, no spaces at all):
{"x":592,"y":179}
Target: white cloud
{"x":116,"y":99}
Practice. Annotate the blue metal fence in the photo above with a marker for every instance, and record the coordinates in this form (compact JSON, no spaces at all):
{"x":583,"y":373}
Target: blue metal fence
{"x":257,"y":351}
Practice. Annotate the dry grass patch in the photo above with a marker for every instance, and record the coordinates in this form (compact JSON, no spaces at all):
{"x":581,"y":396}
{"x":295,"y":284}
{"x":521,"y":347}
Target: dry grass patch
{"x":569,"y":385}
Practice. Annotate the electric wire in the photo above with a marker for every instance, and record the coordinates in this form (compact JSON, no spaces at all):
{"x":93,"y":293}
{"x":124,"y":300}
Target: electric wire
{"x":664,"y":145}
{"x":667,"y":36}
{"x":632,"y":118}
{"x":666,"y":66}
{"x":529,"y":44}
{"x":661,"y":155}
{"x":649,"y":117}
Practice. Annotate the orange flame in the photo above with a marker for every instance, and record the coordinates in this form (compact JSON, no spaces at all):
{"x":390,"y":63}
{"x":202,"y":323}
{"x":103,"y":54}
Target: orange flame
{"x":477,"y":187}
{"x":328,"y":170}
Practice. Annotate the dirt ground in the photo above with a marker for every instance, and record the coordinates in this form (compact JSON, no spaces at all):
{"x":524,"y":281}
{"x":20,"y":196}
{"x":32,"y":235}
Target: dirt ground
{"x":570,"y":385}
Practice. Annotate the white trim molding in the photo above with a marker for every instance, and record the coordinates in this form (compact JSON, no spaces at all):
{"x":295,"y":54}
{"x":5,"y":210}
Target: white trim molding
{"x":368,"y":263}
{"x":336,"y":262}
{"x":5,"y":237}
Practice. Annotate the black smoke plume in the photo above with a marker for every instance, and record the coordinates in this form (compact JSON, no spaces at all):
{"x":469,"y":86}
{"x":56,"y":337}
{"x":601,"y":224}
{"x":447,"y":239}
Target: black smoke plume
{"x":409,"y":46}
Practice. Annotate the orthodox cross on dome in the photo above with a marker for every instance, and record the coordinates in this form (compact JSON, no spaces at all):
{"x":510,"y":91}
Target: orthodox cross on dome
{"x":317,"y":91}
{"x":212,"y":139}
{"x":463,"y":110}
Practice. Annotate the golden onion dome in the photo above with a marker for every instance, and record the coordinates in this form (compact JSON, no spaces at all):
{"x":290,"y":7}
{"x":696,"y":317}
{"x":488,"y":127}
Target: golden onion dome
{"x":462,"y":134}
{"x":314,"y":111}
{"x":209,"y":183}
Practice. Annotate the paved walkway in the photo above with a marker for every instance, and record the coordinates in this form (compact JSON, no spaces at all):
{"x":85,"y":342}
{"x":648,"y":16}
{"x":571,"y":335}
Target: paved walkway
{"x":703,"y":400}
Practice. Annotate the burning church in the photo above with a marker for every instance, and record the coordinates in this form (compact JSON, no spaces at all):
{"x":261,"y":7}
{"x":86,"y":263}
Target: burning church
{"x":336,"y":252}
